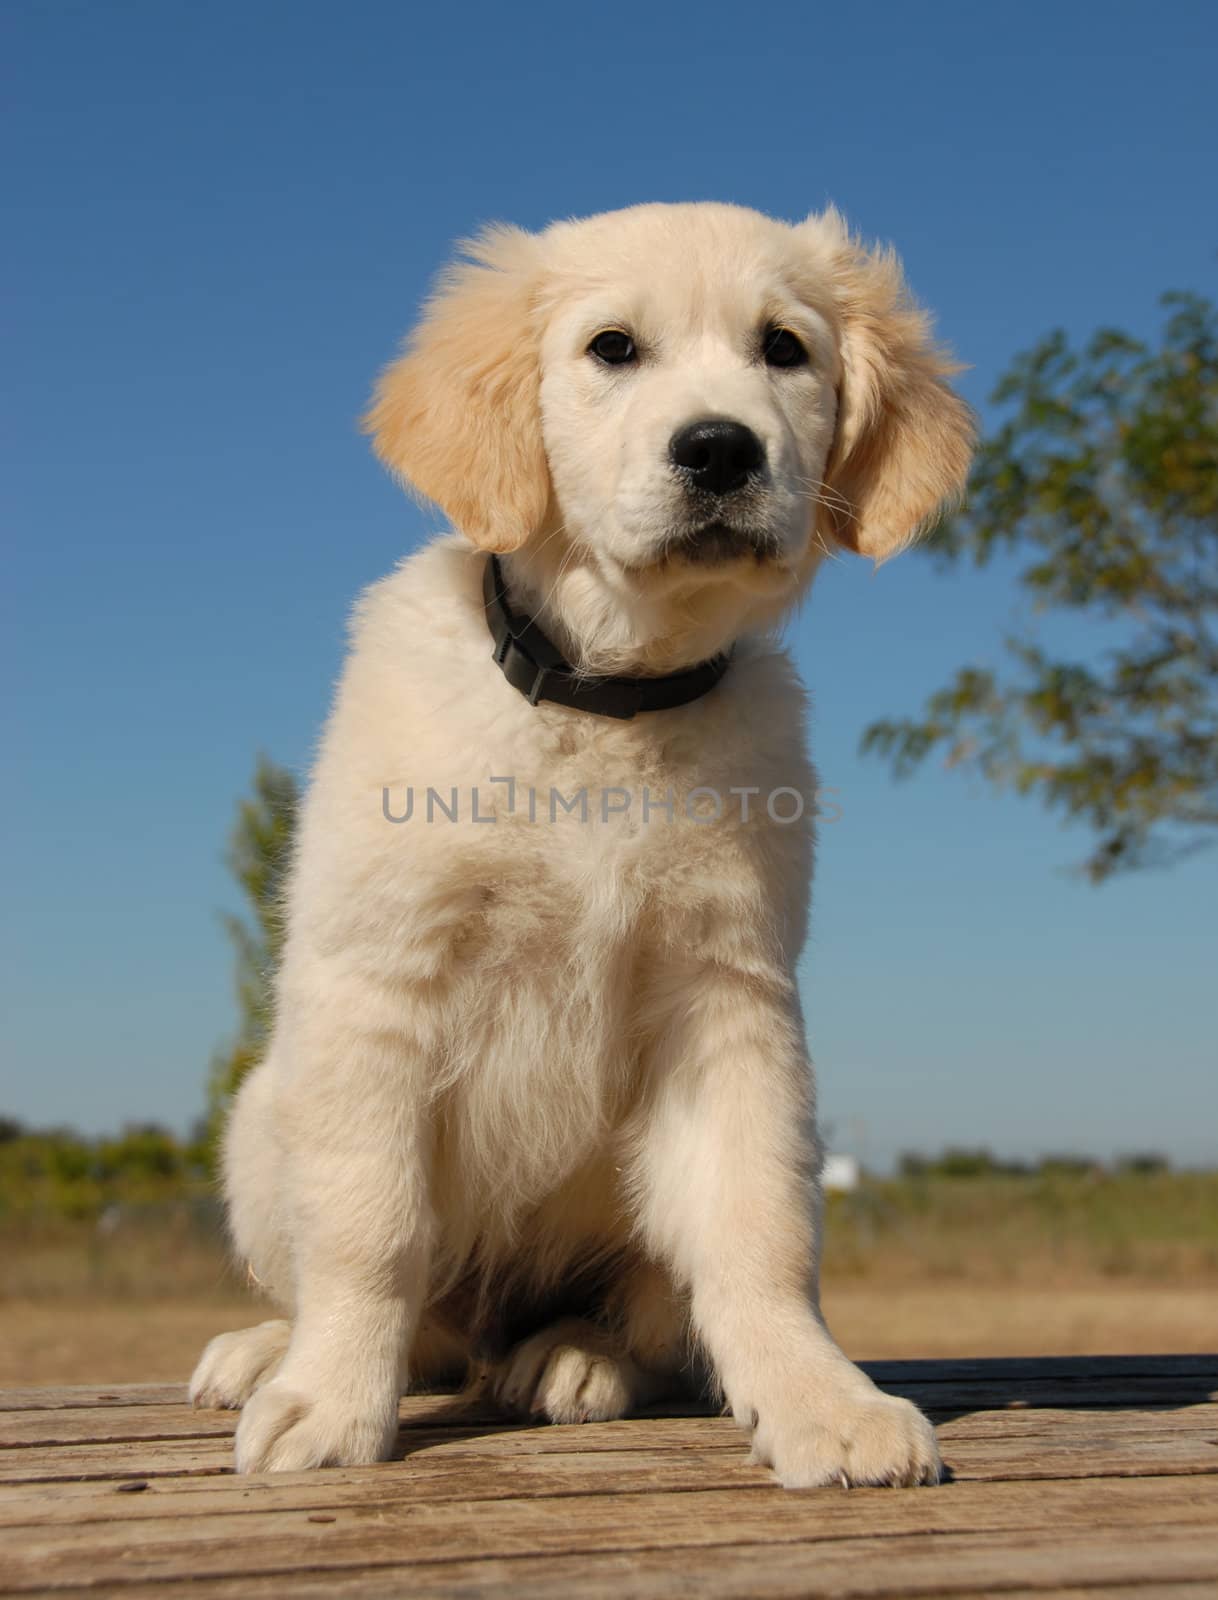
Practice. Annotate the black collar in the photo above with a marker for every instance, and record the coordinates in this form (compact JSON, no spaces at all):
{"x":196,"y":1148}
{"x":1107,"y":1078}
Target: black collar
{"x":532,"y":664}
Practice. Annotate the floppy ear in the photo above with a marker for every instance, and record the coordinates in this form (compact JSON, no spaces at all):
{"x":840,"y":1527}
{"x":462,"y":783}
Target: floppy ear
{"x":904,"y":439}
{"x":457,"y":417}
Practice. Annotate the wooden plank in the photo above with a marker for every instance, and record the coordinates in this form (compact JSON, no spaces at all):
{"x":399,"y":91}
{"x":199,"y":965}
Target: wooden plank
{"x":139,"y":1459}
{"x":461,"y":1580}
{"x":1141,"y":1526}
{"x":1020,"y":1369}
{"x":1018,"y":1441}
{"x":1202,"y":1589}
{"x":419,"y":1480}
{"x":1081,"y":1446}
{"x":1134,"y":1456}
{"x":163,"y":1418}
{"x":109,"y":1424}
{"x":1038,"y":1420}
{"x":384,"y":1529}
{"x":1071,"y":1479}
{"x":60,"y":1396}
{"x":932,"y":1565}
{"x":1081,"y":1566}
{"x":103,"y":1424}
{"x":429,"y":1414}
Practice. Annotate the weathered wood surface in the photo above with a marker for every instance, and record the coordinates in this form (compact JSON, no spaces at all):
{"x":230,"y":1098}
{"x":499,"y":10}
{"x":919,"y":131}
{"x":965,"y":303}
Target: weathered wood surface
{"x":1069,"y":1477}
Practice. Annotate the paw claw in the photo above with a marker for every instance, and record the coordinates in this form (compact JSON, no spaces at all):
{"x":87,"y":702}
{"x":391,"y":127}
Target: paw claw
{"x":287,"y":1429}
{"x":868,"y":1439}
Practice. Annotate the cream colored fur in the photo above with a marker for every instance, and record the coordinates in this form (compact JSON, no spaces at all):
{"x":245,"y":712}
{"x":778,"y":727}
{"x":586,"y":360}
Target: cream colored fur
{"x":509,"y":1053}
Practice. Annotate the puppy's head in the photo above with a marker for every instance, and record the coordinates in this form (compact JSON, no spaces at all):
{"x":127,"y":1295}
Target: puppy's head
{"x":669,"y":412}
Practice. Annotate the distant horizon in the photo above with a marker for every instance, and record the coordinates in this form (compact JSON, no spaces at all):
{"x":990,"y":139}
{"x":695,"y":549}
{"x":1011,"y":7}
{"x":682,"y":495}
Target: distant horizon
{"x":1003,"y":1163}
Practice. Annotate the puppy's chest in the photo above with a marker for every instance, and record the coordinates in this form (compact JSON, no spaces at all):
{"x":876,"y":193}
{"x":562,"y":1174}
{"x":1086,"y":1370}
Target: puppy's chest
{"x":587,"y":894}
{"x":542,"y":1047}
{"x":578,"y":898}
{"x":607,"y":849}
{"x":594,"y":867}
{"x":569,"y":895}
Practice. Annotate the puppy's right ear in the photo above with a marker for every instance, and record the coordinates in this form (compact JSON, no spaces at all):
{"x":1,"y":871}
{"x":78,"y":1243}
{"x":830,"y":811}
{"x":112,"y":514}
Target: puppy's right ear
{"x":457,"y":417}
{"x":904,"y":439}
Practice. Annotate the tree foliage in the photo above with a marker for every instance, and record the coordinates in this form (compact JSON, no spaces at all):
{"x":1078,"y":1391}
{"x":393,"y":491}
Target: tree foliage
{"x":55,"y":1172}
{"x":1103,"y":482}
{"x":259,"y":854}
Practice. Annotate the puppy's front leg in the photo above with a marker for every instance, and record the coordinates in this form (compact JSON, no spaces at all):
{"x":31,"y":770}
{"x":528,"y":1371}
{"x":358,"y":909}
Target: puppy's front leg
{"x":355,"y":1198}
{"x":725,"y":1181}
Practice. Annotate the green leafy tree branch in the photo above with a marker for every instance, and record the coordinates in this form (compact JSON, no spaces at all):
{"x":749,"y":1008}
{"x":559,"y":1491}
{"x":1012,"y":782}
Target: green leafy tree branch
{"x":1103,"y":480}
{"x":259,"y":856}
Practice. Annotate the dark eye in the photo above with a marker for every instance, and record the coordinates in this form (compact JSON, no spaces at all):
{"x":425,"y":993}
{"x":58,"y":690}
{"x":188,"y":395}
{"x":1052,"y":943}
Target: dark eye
{"x":782,"y":348}
{"x":613,"y":347}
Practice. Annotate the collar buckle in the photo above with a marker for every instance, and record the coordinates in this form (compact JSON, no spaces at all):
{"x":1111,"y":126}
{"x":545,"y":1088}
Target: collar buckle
{"x":519,"y":668}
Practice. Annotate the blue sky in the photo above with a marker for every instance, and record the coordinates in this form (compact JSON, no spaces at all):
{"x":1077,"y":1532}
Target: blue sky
{"x":222,"y":218}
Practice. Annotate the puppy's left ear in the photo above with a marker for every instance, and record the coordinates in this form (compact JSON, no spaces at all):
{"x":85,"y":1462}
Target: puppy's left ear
{"x":904,"y":439}
{"x":457,"y":417}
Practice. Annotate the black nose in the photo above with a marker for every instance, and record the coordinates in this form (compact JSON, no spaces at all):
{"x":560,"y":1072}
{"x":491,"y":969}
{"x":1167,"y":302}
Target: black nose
{"x":716,"y":455}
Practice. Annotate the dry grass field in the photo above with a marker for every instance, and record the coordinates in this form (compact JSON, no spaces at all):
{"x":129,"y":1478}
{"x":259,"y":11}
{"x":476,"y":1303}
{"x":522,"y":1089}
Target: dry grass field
{"x":1075,"y":1263}
{"x":99,"y":1340}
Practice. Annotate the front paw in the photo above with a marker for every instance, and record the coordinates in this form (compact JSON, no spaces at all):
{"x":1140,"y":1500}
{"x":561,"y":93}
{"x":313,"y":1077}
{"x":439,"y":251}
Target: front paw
{"x":568,"y":1372}
{"x":234,"y":1364}
{"x":291,"y":1427}
{"x":859,"y":1438}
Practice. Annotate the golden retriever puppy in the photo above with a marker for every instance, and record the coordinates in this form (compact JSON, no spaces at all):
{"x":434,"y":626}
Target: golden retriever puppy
{"x":538,"y":1098}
